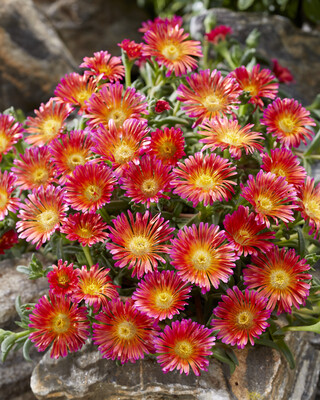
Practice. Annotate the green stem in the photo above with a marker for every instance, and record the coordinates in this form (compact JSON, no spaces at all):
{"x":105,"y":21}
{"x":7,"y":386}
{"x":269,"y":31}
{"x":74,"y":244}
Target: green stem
{"x":127,"y":66}
{"x":87,"y":253}
{"x":309,"y":328}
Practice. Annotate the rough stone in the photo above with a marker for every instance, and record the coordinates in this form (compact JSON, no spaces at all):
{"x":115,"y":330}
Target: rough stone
{"x":261,"y":375}
{"x":295,"y":49}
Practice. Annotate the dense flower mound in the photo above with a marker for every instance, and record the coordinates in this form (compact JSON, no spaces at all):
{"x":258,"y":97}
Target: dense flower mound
{"x":169,"y":188}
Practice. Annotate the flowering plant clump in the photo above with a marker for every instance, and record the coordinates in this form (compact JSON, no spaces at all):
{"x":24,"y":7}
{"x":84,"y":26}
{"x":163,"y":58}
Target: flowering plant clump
{"x":179,"y":208}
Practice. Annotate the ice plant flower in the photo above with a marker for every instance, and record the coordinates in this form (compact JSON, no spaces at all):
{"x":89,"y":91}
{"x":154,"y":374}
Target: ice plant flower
{"x":138,"y":243}
{"x":132,"y":49}
{"x":282,"y":73}
{"x":209,"y":95}
{"x":103,"y":66}
{"x":183,"y":346}
{"x":170,"y":47}
{"x":7,"y":186}
{"x":10,"y":133}
{"x":247,"y":236}
{"x":271,"y":196}
{"x":146,"y":182}
{"x":241,"y":317}
{"x":204,"y":178}
{"x":119,"y":145}
{"x":201,"y":256}
{"x":280,"y":276}
{"x":63,"y":279}
{"x":8,"y":240}
{"x":69,"y":151}
{"x":259,"y":83}
{"x":282,"y":162}
{"x":167,"y":145}
{"x":34,"y":169}
{"x":95,"y":287}
{"x":218,"y":34}
{"x":56,"y":321}
{"x":287,"y":121}
{"x":48,"y":124}
{"x":309,"y":205}
{"x":161,"y":106}
{"x":41,"y":214}
{"x":224,"y":133}
{"x":112,"y":102}
{"x":87,"y":228}
{"x":123,"y":332}
{"x":161,"y":295}
{"x":90,"y":187}
{"x":74,"y":90}
{"x":174,"y":21}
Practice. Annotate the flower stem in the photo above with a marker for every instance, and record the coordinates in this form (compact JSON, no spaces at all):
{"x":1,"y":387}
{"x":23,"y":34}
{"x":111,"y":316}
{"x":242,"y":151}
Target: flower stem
{"x":87,"y":253}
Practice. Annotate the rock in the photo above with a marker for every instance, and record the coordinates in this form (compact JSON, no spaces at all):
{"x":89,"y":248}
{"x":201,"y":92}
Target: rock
{"x":32,"y":57}
{"x":261,"y":375}
{"x":295,"y":49}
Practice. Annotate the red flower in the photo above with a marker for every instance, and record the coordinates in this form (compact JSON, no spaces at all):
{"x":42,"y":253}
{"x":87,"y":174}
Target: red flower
{"x":7,"y":186}
{"x":161,"y":106}
{"x":10,"y":132}
{"x":282,"y":73}
{"x":132,"y":49}
{"x":217,"y":34}
{"x":309,"y":205}
{"x":103,"y":66}
{"x":7,"y":240}
{"x":63,"y":279}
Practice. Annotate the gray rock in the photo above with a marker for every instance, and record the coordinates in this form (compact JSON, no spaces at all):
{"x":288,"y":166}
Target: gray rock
{"x":261,"y":375}
{"x":295,"y":49}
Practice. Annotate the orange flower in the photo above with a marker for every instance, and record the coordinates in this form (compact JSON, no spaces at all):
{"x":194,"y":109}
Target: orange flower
{"x":103,"y":66}
{"x":63,"y":279}
{"x":309,"y":205}
{"x":7,"y":186}
{"x":10,"y":132}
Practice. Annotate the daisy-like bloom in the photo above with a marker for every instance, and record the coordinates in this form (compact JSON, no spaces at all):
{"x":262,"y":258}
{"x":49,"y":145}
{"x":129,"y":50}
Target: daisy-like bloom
{"x":103,"y":66}
{"x":123,"y":332}
{"x":69,"y":151}
{"x":281,"y":276}
{"x":258,"y":83}
{"x":161,"y":295}
{"x":271,"y":196}
{"x":245,"y":234}
{"x":34,"y":168}
{"x":224,"y":134}
{"x":132,"y":49}
{"x":281,"y":73}
{"x":242,"y":317}
{"x":10,"y":132}
{"x":48,"y":124}
{"x":137,"y":243}
{"x":119,"y":145}
{"x":146,"y":182}
{"x":95,"y":287}
{"x":309,"y":205}
{"x":41,"y":214}
{"x":111,"y":102}
{"x":169,"y":22}
{"x":7,"y":240}
{"x":90,"y":187}
{"x":209,"y":95}
{"x":218,"y":34}
{"x":170,"y":47}
{"x":184,"y":345}
{"x":87,"y":228}
{"x":287,"y":121}
{"x":167,"y":145}
{"x":57,"y":321}
{"x":204,"y":178}
{"x":201,"y":256}
{"x":63,"y":279}
{"x":74,"y":90}
{"x":282,"y":162}
{"x":161,"y":106}
{"x":7,"y":186}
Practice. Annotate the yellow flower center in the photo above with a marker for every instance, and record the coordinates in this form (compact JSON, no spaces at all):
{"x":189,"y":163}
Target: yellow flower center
{"x":286,"y":124}
{"x":278,"y":171}
{"x":61,"y":323}
{"x":63,"y":280}
{"x":150,"y":187}
{"x":91,"y":287}
{"x":264,"y":204}
{"x":74,"y":160}
{"x":171,"y":52}
{"x":51,"y":128}
{"x":48,"y":219}
{"x":205,"y":182}
{"x":212,"y":103}
{"x":252,"y":89}
{"x":126,"y":330}
{"x":139,"y":245}
{"x":93,"y":193}
{"x":3,"y":199}
{"x":105,"y":69}
{"x":201,"y":260}
{"x":232,"y":137}
{"x":244,"y":319}
{"x":242,"y":236}
{"x":167,"y":149}
{"x":118,"y":116}
{"x":164,"y":300}
{"x":82,"y":96}
{"x":3,"y":142}
{"x":312,"y":208}
{"x":40,"y":175}
{"x":123,"y":153}
{"x":84,"y":232}
{"x":279,"y":279}
{"x":183,"y":349}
